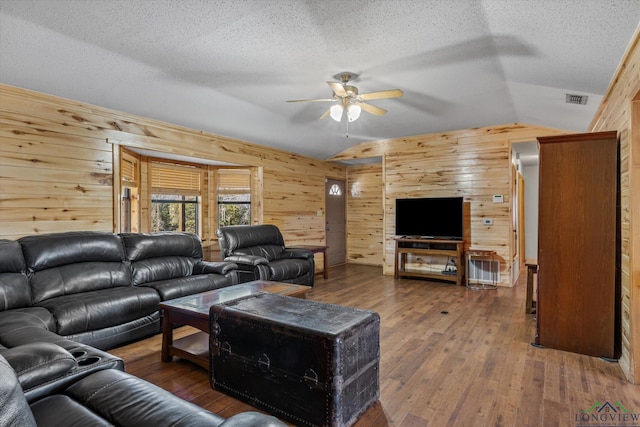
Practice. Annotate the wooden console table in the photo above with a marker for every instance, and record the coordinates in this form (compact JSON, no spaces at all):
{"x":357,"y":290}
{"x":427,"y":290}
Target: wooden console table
{"x":451,"y":249}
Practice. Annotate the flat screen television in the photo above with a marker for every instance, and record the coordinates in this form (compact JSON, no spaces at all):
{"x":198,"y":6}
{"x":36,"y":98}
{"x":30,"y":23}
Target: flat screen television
{"x":430,"y":217}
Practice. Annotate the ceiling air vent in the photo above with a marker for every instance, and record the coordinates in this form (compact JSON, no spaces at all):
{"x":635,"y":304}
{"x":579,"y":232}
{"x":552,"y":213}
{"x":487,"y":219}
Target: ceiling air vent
{"x":576,"y":99}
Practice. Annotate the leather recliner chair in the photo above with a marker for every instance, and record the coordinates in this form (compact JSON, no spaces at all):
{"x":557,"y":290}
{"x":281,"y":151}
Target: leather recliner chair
{"x":109,"y":397}
{"x":260,"y":253}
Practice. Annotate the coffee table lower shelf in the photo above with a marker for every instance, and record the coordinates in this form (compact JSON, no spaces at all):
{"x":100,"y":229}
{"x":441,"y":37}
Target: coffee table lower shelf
{"x":194,"y":348}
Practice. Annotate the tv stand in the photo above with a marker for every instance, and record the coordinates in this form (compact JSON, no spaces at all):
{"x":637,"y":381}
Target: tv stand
{"x":443,"y":248}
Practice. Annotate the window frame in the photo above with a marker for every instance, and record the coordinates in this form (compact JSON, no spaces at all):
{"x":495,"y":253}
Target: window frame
{"x":244,"y":191}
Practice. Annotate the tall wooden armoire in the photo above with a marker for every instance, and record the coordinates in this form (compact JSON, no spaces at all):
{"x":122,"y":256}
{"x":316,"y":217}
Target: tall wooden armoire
{"x":576,"y":308}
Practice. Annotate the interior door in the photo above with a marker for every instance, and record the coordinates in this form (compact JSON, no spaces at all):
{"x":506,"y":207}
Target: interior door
{"x":336,"y":221}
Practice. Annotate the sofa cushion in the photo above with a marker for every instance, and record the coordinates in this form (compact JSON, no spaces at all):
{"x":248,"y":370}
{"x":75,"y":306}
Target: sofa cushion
{"x":28,"y":317}
{"x":60,"y":410}
{"x":115,"y":336}
{"x":129,"y":401}
{"x":94,"y":310}
{"x":65,"y":263}
{"x":14,"y":291}
{"x":154,"y":269}
{"x":234,"y":237}
{"x":176,"y":288}
{"x":78,"y":278}
{"x":11,"y":259}
{"x":42,"y":251}
{"x":139,"y":246}
{"x":270,"y":252}
{"x":14,"y":285}
{"x":162,"y":255}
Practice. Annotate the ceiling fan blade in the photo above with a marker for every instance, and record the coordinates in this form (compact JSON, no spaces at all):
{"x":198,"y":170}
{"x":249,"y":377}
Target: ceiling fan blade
{"x":372,"y":109}
{"x":393,"y":93}
{"x":326,"y":113}
{"x":312,"y":100}
{"x":338,"y":89}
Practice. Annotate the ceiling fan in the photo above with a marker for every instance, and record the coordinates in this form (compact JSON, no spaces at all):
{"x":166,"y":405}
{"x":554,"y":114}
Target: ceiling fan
{"x":349,"y":100}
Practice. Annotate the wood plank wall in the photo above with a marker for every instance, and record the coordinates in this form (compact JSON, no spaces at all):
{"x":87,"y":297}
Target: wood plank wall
{"x":57,"y":167}
{"x":365,"y":214}
{"x":618,"y":111}
{"x":473,"y":163}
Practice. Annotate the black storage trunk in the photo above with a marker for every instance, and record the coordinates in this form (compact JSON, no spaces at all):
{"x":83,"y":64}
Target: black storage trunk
{"x":311,"y":363}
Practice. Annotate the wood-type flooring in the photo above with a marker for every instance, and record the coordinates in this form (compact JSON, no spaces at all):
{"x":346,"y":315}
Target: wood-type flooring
{"x":450,"y":356}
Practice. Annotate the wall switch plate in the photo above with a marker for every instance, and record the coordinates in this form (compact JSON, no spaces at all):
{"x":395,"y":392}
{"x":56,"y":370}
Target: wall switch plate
{"x":487,"y":221}
{"x":319,"y":212}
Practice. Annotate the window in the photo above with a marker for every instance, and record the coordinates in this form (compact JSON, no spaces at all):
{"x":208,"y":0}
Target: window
{"x":335,"y":190}
{"x":234,"y":197}
{"x":129,"y":190}
{"x":175,"y":197}
{"x":174,"y":213}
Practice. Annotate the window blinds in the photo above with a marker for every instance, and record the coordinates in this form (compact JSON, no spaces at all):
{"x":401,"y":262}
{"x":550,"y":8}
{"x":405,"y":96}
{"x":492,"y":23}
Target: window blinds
{"x":234,"y":181}
{"x":128,"y":171}
{"x":169,"y":178}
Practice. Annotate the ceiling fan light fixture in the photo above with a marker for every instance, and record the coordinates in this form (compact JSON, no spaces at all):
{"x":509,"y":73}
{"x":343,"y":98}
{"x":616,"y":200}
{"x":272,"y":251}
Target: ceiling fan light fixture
{"x":348,"y":99}
{"x":336,"y":112}
{"x":353,"y":112}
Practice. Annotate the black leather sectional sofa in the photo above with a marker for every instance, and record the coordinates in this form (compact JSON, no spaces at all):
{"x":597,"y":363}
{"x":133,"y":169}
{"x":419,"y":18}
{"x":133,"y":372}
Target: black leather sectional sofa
{"x":101,"y":289}
{"x":65,"y":298}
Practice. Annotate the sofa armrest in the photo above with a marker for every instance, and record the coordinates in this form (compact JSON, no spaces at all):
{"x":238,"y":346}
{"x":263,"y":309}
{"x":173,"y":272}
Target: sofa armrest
{"x":252,"y":419}
{"x":290,"y":253}
{"x":247,"y":260}
{"x":38,"y":363}
{"x":205,"y":267}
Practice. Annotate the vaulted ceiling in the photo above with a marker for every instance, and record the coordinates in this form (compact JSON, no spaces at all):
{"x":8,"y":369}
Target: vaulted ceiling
{"x":228,"y":66}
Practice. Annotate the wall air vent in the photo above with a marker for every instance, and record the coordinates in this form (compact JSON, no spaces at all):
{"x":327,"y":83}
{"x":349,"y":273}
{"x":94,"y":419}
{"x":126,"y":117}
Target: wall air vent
{"x":576,"y":99}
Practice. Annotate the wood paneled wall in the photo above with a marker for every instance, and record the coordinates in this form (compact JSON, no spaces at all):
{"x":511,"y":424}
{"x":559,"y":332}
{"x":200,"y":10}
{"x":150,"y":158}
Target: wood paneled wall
{"x":620,"y":110}
{"x":473,"y":163}
{"x":365,"y":214}
{"x":57,"y":168}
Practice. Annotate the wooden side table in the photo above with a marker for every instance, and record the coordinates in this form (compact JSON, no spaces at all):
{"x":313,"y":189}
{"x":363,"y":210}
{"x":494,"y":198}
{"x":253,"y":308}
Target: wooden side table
{"x":480,"y":254}
{"x":317,"y":249}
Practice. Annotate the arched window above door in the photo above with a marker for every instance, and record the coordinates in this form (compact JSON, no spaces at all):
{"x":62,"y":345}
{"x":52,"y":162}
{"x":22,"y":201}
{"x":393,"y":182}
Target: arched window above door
{"x":335,"y":190}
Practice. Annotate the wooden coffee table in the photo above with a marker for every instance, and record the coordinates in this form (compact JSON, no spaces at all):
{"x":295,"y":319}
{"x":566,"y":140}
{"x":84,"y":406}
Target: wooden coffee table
{"x":193,"y":310}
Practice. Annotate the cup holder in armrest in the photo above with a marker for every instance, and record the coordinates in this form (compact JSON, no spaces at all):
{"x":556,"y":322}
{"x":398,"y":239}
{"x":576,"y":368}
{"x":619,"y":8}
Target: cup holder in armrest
{"x":86,"y":361}
{"x":78,"y":354}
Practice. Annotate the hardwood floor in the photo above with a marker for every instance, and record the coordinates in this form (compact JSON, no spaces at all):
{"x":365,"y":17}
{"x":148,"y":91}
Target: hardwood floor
{"x":450,"y":356}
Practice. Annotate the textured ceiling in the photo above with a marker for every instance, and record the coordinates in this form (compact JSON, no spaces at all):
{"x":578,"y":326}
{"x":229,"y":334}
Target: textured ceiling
{"x":228,"y":67}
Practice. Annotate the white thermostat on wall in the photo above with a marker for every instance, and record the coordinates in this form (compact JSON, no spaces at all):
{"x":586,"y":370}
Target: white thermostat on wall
{"x":498,"y":198}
